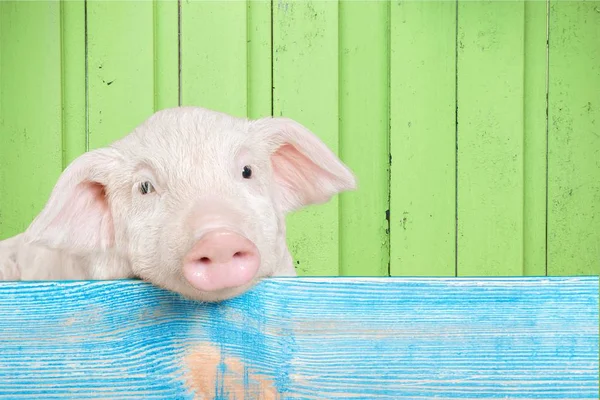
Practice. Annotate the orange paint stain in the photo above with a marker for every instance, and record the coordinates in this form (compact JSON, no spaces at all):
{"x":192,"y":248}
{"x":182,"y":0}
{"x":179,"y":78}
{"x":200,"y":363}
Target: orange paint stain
{"x":206,"y":378}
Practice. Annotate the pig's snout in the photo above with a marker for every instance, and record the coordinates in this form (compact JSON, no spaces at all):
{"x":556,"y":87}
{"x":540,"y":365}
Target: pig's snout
{"x":221,"y":259}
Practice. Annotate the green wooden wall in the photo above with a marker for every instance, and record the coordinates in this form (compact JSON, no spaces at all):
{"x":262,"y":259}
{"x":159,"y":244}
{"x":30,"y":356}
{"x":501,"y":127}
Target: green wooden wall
{"x":473,"y":126}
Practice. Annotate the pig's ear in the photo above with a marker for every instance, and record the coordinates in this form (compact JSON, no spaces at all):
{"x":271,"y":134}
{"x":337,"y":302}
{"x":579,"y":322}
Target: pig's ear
{"x":77,"y":215}
{"x":305,"y":169}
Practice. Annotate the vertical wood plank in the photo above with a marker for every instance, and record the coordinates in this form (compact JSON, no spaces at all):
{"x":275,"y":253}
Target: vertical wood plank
{"x":120,"y":68}
{"x":73,"y":80}
{"x":364,"y":86}
{"x":490,"y":137}
{"x":214,"y":55}
{"x":305,"y":80}
{"x":535,"y":151}
{"x":574,"y":139}
{"x":3,"y":168}
{"x":423,"y":125}
{"x":30,"y":119}
{"x":166,"y":54}
{"x":260,"y":86}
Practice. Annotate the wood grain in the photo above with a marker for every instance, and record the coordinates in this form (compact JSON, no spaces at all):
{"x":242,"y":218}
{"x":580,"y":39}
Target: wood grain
{"x":30,"y":85}
{"x":370,"y":78}
{"x":395,"y":338}
{"x":73,"y":78}
{"x":212,"y":77}
{"x":423,"y":138}
{"x":259,"y":58}
{"x":120,"y":68}
{"x":574,"y":138}
{"x":306,"y":88}
{"x":364,"y":137}
{"x":490,"y":59}
{"x":535,"y":139}
{"x":166,"y":54}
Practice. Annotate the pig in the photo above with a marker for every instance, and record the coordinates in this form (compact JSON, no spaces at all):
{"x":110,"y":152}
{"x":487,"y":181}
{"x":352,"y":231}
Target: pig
{"x":192,"y":200}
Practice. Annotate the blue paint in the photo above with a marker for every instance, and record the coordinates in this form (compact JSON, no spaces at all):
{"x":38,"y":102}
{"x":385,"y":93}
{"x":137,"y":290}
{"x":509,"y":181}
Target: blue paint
{"x":249,"y":334}
{"x":225,"y":333}
{"x":287,"y":346}
{"x":62,"y":355}
{"x":454,"y":338}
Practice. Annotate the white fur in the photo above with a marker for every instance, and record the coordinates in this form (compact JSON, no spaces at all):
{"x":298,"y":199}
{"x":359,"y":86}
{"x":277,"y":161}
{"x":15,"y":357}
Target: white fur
{"x":97,"y":225}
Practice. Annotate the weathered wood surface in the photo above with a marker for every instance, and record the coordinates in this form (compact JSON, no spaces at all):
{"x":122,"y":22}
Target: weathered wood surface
{"x":509,"y":338}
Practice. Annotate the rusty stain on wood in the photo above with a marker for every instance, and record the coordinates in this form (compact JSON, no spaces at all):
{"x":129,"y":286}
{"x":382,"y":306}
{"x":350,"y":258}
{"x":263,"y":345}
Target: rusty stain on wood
{"x":210,"y":374}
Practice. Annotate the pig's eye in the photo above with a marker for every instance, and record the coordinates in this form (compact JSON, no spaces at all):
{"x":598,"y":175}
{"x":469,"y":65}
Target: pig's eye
{"x":146,"y":187}
{"x":247,"y":172}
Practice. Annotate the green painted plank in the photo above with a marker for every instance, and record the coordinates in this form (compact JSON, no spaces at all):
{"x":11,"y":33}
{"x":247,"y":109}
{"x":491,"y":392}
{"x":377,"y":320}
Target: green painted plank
{"x":73,"y":79}
{"x":364,"y":137}
{"x":214,"y":55}
{"x":305,"y":80}
{"x":166,"y":54}
{"x":423,"y":139}
{"x":260,"y":87}
{"x":574,"y":139}
{"x":236,"y":80}
{"x":120,"y":68}
{"x":490,"y":137}
{"x":534,"y":100}
{"x":30,"y":120}
{"x":3,"y":168}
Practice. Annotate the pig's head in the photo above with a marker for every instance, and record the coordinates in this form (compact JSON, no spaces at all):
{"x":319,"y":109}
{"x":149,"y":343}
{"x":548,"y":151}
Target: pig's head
{"x":194,"y":200}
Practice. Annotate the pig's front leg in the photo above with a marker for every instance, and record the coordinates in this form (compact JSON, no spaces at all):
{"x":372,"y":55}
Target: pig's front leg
{"x":9,"y":269}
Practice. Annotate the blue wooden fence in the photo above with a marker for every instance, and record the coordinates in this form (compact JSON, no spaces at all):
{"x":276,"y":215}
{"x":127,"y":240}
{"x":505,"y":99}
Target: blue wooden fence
{"x":301,"y":338}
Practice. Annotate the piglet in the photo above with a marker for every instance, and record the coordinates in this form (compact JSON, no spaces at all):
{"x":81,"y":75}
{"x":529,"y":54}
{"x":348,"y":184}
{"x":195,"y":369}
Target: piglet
{"x":193,"y":201}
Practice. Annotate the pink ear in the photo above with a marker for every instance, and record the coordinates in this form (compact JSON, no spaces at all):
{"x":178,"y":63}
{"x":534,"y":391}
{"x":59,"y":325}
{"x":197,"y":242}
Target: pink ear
{"x":305,"y":169}
{"x":77,"y":216}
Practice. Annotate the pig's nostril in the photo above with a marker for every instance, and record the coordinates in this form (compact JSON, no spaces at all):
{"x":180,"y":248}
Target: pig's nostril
{"x":221,"y":259}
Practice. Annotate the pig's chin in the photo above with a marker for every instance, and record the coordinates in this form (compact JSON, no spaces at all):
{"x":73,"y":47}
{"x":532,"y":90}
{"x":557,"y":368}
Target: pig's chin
{"x":186,"y":290}
{"x":218,"y":295}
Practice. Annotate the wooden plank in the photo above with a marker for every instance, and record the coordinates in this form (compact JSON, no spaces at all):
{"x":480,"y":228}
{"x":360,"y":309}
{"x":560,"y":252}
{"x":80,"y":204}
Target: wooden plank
{"x":211,"y":76}
{"x":73,"y":79}
{"x":490,"y":137}
{"x":236,"y":81}
{"x":574,"y":139}
{"x":535,"y":143}
{"x":305,"y":81}
{"x":120,"y":68}
{"x":395,"y":338}
{"x":423,"y":138}
{"x":364,"y":136}
{"x":166,"y":54}
{"x":260,"y":85}
{"x":30,"y":119}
